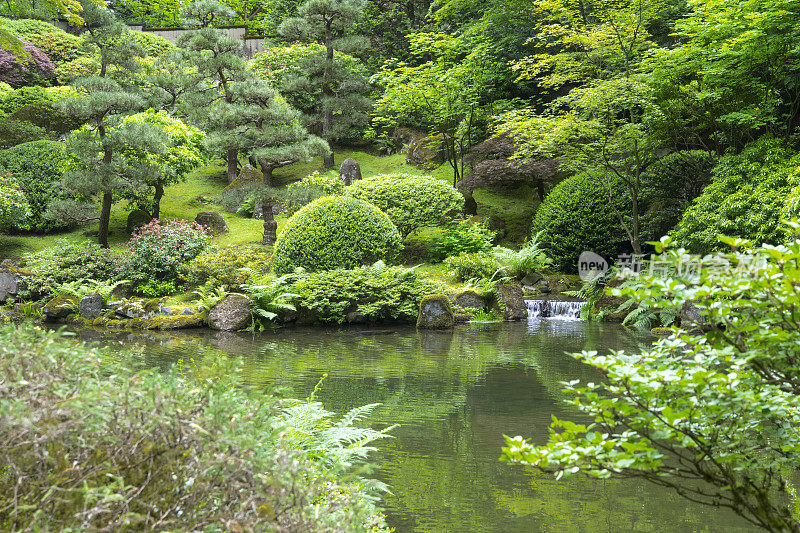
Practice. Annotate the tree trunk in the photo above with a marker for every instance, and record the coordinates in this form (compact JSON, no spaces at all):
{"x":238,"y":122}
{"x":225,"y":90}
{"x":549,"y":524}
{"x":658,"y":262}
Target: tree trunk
{"x":105,"y":218}
{"x":233,"y":163}
{"x":270,"y":226}
{"x":157,"y":200}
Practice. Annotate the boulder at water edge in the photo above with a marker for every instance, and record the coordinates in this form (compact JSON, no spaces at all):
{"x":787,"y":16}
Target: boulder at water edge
{"x":231,"y":314}
{"x":510,"y":302}
{"x":435,"y":312}
{"x":213,"y":221}
{"x":350,"y":171}
{"x":470,"y":299}
{"x":60,"y":307}
{"x":10,"y":282}
{"x":91,"y":306}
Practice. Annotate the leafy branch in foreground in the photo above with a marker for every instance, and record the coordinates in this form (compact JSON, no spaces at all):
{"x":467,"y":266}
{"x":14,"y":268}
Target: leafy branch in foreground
{"x":715,"y":415}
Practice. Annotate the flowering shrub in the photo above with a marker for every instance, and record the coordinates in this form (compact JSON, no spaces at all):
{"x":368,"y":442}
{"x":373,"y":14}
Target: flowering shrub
{"x":161,"y":249}
{"x":14,"y":209}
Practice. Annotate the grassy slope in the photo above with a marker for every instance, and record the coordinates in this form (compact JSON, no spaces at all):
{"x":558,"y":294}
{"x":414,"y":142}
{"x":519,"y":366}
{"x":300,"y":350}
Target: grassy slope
{"x":181,"y":201}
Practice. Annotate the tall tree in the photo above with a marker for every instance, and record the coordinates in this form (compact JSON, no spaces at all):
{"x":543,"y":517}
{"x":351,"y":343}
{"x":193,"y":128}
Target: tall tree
{"x":99,"y":165}
{"x":330,"y":21}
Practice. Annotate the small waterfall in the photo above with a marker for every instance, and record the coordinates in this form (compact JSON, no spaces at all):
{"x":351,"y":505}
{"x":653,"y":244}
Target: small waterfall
{"x":553,"y":309}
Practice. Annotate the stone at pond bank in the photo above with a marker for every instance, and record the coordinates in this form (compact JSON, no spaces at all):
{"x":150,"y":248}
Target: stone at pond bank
{"x":355,"y":317}
{"x":60,"y":307}
{"x":213,"y":221}
{"x":136,"y":219}
{"x":349,"y":171}
{"x":10,"y":282}
{"x":435,"y":312}
{"x":91,"y":306}
{"x":510,"y":302}
{"x":231,"y":314}
{"x":159,"y":322}
{"x":470,"y":299}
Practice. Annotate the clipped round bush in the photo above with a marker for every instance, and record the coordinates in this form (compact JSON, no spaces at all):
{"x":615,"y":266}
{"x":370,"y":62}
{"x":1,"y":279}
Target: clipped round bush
{"x":576,"y":217}
{"x":14,"y":132}
{"x":37,"y":167}
{"x":24,"y":97}
{"x":152,"y":44}
{"x":59,"y":45}
{"x":411,"y":202}
{"x":336,"y":232}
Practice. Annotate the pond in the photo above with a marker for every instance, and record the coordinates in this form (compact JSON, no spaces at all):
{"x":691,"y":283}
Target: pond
{"x":454,"y":394}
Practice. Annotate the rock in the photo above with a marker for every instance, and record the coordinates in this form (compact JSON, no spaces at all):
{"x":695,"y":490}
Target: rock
{"x":543,"y":285}
{"x":213,"y":221}
{"x":166,"y":311}
{"x":136,"y":219}
{"x":231,"y":314}
{"x":355,"y":317}
{"x":249,"y":174}
{"x":532,"y":279}
{"x":470,"y":299}
{"x":510,"y":302}
{"x":91,"y":306}
{"x":435,"y":312}
{"x":10,"y":282}
{"x":425,"y":153}
{"x":692,"y":317}
{"x":190,"y":311}
{"x":60,"y":307}
{"x":349,"y":171}
{"x":608,"y":305}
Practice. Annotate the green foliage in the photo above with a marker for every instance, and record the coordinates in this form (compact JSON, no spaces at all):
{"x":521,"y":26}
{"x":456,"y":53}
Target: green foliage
{"x":335,"y":232}
{"x":269,"y":300}
{"x":208,"y":295}
{"x":59,"y":45}
{"x":749,"y":194}
{"x":411,"y":202}
{"x":573,"y":218}
{"x":378,"y":292}
{"x":469,"y":265}
{"x":67,"y":261}
{"x":312,"y":187}
{"x":528,"y":259}
{"x":14,"y":132}
{"x":153,"y":45}
{"x":194,"y":442}
{"x":23,"y":97}
{"x":462,"y":237}
{"x":83,"y":287}
{"x":712,"y":415}
{"x":37,"y":168}
{"x":14,"y":208}
{"x":228,"y":267}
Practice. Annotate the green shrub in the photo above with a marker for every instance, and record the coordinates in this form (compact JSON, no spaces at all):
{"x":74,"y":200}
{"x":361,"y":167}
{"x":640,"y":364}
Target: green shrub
{"x":575,"y":217}
{"x":152,"y":44}
{"x":314,"y":186}
{"x":335,"y":232}
{"x":228,"y":267}
{"x":59,"y":45}
{"x":462,"y":237}
{"x":114,"y":442}
{"x":377,"y":292}
{"x":749,"y":194}
{"x":82,"y":66}
{"x":468,"y":265}
{"x":411,"y":202}
{"x":37,"y":167}
{"x":66,"y":262}
{"x":24,"y":96}
{"x":14,"y":208}
{"x":46,"y":116}
{"x":14,"y":132}
{"x":528,"y":259}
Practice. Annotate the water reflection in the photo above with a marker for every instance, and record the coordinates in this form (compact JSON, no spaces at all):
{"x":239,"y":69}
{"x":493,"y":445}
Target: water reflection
{"x":455,"y":394}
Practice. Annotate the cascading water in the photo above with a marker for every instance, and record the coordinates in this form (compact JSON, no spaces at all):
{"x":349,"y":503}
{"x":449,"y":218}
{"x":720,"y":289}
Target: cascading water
{"x":553,"y":309}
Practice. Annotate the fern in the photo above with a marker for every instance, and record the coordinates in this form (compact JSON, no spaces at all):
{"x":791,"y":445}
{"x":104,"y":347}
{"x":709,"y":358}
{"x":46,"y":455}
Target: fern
{"x":86,"y":287}
{"x":268,"y":300}
{"x":208,"y":298}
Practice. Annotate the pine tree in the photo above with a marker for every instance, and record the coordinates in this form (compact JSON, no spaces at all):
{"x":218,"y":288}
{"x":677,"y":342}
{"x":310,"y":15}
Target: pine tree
{"x":97,"y":166}
{"x":343,"y":94}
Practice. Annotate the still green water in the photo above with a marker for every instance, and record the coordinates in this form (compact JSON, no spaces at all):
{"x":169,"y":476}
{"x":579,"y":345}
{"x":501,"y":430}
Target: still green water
{"x":454,"y":395}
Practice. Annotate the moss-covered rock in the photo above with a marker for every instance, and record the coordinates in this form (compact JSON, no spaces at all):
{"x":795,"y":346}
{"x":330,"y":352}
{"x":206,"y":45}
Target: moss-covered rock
{"x":435,"y":312}
{"x":60,"y":307}
{"x":510,"y":302}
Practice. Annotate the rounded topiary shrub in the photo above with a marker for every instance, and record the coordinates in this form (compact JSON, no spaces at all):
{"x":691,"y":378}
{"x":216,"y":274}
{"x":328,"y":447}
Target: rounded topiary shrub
{"x":411,"y":202}
{"x":335,"y":232}
{"x":575,"y":217}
